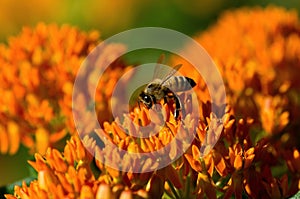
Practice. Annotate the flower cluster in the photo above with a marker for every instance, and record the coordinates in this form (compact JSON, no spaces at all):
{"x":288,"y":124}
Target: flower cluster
{"x":69,"y":175}
{"x":257,"y":53}
{"x":251,"y":150}
{"x":258,"y":60}
{"x":38,"y":71}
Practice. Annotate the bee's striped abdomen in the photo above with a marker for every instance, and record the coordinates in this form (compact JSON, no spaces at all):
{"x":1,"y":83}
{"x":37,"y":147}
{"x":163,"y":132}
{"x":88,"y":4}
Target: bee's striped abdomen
{"x":180,"y":83}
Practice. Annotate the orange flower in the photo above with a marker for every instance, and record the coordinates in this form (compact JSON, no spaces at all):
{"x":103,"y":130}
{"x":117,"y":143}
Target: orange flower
{"x":274,"y":117}
{"x":142,"y":163}
{"x":57,"y":175}
{"x":38,"y":71}
{"x":259,"y":61}
{"x":228,"y":156}
{"x":68,"y":175}
{"x":31,"y":85}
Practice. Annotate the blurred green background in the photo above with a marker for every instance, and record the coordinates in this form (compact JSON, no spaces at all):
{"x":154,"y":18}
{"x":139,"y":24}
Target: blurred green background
{"x":110,"y":17}
{"x":113,"y":16}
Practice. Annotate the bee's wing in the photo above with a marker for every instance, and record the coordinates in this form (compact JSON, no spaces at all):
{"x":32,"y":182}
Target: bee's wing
{"x":159,"y":68}
{"x":171,"y":73}
{"x":162,"y":72}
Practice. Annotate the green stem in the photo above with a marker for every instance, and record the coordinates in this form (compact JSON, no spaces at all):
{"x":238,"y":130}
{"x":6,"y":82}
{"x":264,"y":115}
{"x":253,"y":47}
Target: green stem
{"x":187,"y":186}
{"x":173,"y":190}
{"x":203,"y":165}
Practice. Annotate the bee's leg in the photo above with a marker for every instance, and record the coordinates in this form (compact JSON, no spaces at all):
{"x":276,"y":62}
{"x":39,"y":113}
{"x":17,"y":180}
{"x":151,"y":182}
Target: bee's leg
{"x":165,"y":99}
{"x":177,"y":107}
{"x":154,"y":100}
{"x":183,"y":112}
{"x":139,"y":119}
{"x":154,"y":103}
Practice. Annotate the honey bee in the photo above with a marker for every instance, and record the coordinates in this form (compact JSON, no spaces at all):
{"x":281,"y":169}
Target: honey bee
{"x":166,"y":88}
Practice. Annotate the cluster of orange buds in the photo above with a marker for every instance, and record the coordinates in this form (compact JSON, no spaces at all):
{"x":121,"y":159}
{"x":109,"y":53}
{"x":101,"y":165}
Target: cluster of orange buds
{"x":236,"y":153}
{"x":258,"y":60}
{"x":69,"y":175}
{"x":39,"y":68}
{"x":144,"y":170}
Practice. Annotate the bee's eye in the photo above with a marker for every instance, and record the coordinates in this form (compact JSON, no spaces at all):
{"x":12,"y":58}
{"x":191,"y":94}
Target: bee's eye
{"x":147,"y":99}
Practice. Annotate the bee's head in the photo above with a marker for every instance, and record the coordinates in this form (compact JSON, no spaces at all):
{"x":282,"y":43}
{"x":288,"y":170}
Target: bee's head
{"x":146,"y":99}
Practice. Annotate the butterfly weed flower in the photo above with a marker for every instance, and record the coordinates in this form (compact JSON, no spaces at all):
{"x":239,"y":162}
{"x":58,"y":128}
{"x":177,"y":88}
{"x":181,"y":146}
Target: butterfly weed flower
{"x":59,"y":175}
{"x":143,"y":171}
{"x":39,"y":67}
{"x":257,"y":138}
{"x":259,"y":66}
{"x":69,"y":175}
{"x":258,"y":58}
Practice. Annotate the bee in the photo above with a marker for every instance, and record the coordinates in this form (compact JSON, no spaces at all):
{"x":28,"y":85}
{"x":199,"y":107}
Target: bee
{"x":166,"y":88}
